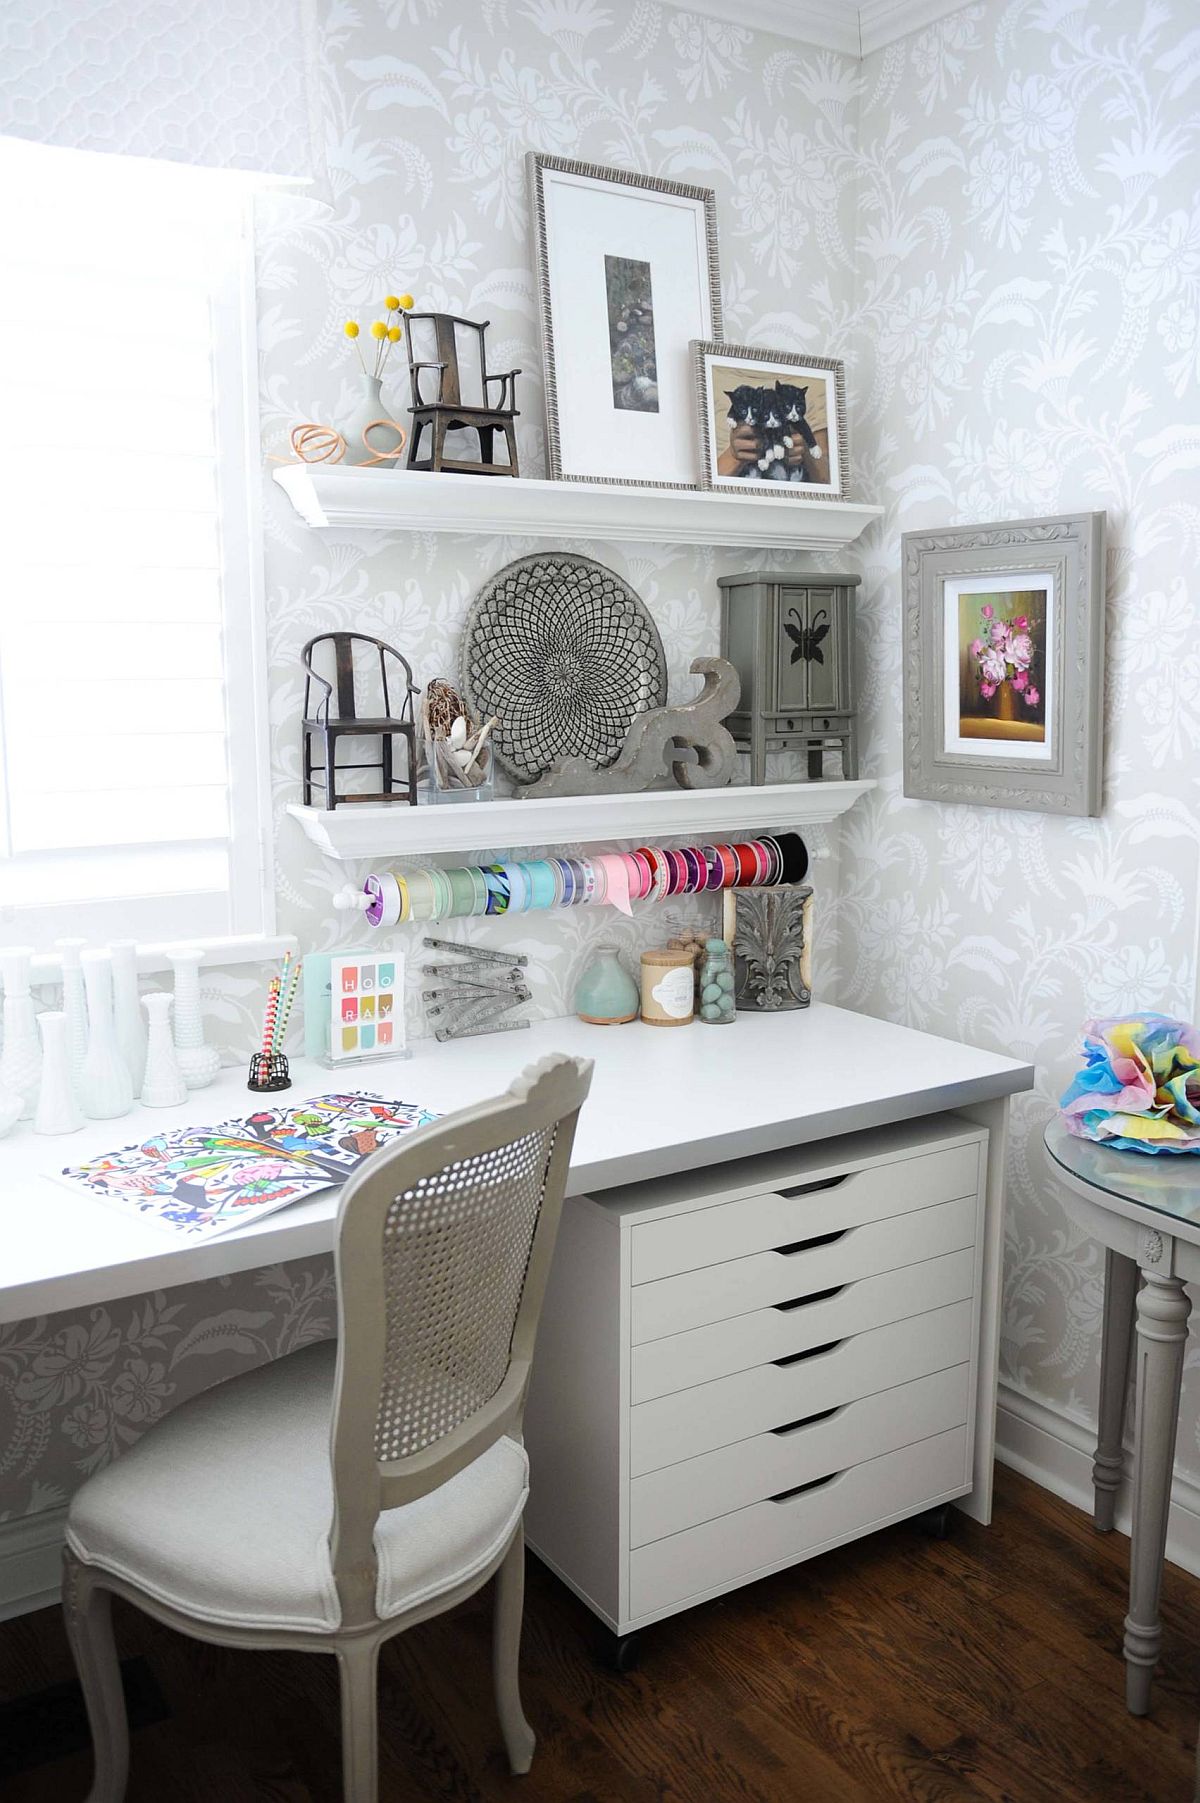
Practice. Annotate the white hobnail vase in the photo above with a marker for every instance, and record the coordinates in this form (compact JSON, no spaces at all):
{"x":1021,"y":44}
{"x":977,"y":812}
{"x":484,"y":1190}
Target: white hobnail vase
{"x":127,"y":1009}
{"x":105,"y":1088}
{"x":198,"y":1062}
{"x":21,"y":1060}
{"x":58,"y":1109}
{"x":74,"y":1003}
{"x":162,"y":1085}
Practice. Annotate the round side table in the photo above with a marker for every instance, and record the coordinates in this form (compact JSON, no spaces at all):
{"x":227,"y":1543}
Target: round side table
{"x":1145,"y":1211}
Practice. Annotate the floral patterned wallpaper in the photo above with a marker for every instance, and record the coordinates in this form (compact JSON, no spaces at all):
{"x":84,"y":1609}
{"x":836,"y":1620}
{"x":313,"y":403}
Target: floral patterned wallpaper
{"x":430,"y":106}
{"x":1025,"y":325}
{"x":991,"y":220}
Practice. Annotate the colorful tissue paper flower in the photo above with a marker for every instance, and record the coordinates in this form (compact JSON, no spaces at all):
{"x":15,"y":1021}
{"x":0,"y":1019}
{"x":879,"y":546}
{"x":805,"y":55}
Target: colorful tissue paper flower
{"x":1139,"y":1086}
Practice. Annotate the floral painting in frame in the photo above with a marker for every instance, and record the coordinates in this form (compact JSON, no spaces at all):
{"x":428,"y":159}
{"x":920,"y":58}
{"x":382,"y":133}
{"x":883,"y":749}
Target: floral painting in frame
{"x":1003,"y":658}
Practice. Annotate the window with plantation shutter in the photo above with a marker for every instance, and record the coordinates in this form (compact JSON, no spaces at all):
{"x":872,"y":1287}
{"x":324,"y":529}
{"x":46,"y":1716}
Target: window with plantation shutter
{"x":130,"y":671}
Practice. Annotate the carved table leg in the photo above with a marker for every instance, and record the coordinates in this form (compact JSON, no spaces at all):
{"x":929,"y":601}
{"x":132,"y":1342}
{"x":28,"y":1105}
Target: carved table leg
{"x":1120,"y":1299}
{"x":1163,"y":1307}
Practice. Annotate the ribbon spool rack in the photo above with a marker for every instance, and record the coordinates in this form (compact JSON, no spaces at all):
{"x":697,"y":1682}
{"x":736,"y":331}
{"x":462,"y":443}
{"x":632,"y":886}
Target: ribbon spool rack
{"x":519,"y":886}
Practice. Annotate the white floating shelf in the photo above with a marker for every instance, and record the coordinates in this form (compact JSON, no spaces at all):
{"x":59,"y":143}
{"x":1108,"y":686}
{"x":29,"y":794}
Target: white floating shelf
{"x":421,"y":501}
{"x":398,"y":831}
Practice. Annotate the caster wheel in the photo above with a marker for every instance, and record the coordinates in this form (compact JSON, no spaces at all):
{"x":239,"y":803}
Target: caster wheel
{"x":622,"y":1651}
{"x":937,"y":1524}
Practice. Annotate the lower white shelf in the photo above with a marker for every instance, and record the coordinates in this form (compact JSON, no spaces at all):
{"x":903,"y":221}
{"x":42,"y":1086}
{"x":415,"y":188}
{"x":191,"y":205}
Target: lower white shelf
{"x":397,"y":831}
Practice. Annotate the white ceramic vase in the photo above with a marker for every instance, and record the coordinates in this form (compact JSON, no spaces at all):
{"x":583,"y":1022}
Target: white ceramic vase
{"x":106,"y":1088}
{"x":127,"y":1009}
{"x":198,"y":1062}
{"x":162,"y":1085}
{"x":58,"y":1109}
{"x":21,"y":1060}
{"x":371,"y":407}
{"x":74,"y":1003}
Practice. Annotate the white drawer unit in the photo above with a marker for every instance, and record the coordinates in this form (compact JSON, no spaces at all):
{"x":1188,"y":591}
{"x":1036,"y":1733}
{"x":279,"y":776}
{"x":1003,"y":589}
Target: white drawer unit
{"x":741,"y":1367}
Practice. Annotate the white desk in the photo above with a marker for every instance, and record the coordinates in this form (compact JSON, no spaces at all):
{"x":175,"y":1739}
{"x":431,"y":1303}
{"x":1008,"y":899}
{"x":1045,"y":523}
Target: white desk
{"x":661,"y":1102}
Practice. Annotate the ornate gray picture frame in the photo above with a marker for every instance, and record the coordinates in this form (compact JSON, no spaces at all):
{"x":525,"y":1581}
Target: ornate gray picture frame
{"x":1004,"y":664}
{"x":819,"y":477}
{"x":627,"y":276}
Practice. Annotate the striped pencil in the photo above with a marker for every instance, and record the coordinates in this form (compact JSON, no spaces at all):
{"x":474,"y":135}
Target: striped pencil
{"x":268,"y":1032}
{"x":289,"y":997}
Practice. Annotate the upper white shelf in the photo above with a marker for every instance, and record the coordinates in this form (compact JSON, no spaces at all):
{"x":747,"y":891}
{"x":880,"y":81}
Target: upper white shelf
{"x":420,"y":501}
{"x":397,"y":831}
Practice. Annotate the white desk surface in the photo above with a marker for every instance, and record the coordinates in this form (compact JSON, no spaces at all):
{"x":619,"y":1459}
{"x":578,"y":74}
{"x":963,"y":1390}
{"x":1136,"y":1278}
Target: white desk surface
{"x":662,"y":1100}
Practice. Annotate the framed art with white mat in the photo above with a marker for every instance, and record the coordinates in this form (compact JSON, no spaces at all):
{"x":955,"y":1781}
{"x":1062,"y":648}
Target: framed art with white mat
{"x":627,"y":277}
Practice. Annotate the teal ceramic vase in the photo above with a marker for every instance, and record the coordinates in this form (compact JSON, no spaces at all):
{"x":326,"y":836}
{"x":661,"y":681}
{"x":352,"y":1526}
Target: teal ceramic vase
{"x":606,"y":995}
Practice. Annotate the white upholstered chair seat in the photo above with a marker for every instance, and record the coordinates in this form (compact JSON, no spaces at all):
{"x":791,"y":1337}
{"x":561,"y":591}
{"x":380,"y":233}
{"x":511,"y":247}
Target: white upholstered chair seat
{"x":224,"y":1510}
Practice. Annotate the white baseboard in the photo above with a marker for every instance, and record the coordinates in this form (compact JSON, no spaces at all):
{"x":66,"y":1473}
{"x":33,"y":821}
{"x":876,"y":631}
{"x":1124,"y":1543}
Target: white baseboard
{"x":1033,"y":1438}
{"x":1056,"y":1451}
{"x":30,"y":1562}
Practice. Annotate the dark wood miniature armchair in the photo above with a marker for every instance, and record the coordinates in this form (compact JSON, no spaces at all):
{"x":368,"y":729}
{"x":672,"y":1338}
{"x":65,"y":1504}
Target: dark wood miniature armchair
{"x":448,"y":410}
{"x":336,"y":716}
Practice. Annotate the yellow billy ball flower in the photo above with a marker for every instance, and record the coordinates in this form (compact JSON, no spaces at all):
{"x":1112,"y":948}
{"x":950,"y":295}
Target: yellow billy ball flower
{"x":407,"y":302}
{"x":351,"y":328}
{"x":379,"y":330}
{"x":394,"y":333}
{"x":391,"y":303}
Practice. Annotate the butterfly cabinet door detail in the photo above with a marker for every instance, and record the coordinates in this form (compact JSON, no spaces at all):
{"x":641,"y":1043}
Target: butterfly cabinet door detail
{"x":808,"y":652}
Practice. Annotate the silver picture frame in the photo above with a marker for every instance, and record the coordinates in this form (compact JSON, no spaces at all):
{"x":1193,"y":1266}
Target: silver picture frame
{"x":541,"y":171}
{"x":706,"y":354}
{"x":954,"y":575}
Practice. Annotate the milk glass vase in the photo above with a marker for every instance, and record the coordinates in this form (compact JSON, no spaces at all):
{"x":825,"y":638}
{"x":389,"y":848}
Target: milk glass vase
{"x":21,"y":1061}
{"x":127,"y":1009}
{"x":198,"y":1062}
{"x":74,"y":1004}
{"x":58,"y":1109}
{"x":162,"y":1085}
{"x":106,"y":1088}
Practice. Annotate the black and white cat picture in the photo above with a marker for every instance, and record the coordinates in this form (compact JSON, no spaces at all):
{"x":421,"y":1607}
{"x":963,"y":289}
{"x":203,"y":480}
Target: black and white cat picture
{"x":778,"y":416}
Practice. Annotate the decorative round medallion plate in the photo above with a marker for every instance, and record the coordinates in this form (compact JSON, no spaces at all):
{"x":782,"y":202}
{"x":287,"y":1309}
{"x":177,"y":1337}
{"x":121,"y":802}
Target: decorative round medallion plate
{"x":566,"y":655}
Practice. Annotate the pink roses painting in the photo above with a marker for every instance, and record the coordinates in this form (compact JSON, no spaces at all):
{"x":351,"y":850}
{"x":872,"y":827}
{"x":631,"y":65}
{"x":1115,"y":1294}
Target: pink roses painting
{"x":1005,"y":654}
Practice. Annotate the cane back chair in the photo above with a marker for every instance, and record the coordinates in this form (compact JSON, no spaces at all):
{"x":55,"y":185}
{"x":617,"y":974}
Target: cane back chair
{"x":339,"y":1495}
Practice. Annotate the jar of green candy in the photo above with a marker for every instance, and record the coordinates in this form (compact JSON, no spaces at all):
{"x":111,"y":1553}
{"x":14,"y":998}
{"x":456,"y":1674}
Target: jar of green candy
{"x":716,"y":984}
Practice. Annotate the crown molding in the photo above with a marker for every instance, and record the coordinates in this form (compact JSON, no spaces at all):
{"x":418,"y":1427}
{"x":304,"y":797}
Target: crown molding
{"x":830,"y":24}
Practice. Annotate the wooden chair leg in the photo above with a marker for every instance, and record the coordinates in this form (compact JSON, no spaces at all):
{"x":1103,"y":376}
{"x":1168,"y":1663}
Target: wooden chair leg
{"x":385,"y":762}
{"x":358,"y":1662}
{"x":439,"y":441}
{"x":509,"y":1605}
{"x":487,"y":443}
{"x":414,"y":440}
{"x":87,"y":1610}
{"x":510,"y":439}
{"x":307,"y":751}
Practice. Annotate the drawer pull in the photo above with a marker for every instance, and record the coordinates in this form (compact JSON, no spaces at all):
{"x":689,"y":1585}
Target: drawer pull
{"x":789,"y":1427}
{"x":785,"y":1308}
{"x":820,"y":1239}
{"x":794,"y":1358}
{"x":810,"y":1189}
{"x":817,"y":1483}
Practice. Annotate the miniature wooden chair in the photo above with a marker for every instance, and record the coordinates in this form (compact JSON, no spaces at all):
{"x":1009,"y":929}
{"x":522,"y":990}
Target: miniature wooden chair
{"x":335,"y":1497}
{"x":450,"y":410}
{"x":347,"y":722}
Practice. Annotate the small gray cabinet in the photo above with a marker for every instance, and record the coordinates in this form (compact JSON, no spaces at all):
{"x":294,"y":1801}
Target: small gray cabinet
{"x":791,"y":640}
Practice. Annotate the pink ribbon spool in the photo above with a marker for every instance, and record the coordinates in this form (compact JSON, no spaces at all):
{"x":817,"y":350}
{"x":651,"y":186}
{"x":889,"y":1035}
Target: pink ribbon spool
{"x":616,"y":878}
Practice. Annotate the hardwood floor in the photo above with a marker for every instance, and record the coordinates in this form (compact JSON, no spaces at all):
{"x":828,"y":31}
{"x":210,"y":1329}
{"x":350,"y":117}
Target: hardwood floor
{"x":984,"y":1666}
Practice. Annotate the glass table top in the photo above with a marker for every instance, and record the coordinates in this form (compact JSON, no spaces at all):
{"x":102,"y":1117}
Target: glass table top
{"x":1166,"y":1181}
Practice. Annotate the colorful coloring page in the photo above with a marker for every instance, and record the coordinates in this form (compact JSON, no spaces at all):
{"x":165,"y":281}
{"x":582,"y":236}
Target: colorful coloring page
{"x":199,"y":1182}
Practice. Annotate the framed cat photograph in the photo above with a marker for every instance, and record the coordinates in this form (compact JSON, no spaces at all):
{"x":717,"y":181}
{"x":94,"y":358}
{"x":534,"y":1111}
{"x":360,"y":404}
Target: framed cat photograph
{"x":771,"y":422}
